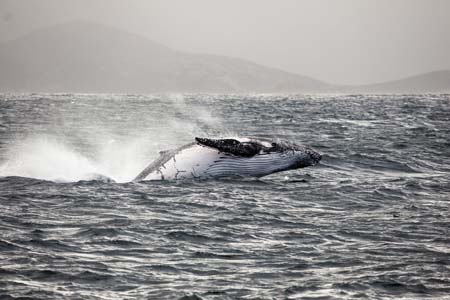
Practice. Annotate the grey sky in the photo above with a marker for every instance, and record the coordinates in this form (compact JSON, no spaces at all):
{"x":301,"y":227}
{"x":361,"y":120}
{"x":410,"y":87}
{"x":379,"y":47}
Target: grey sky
{"x":338,"y":41}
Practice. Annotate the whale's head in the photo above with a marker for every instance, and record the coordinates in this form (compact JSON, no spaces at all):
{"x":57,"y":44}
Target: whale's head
{"x":298,"y":156}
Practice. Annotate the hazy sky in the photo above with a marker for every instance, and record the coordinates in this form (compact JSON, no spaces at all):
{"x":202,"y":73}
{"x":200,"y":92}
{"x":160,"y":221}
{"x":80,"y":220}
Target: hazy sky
{"x":338,"y":41}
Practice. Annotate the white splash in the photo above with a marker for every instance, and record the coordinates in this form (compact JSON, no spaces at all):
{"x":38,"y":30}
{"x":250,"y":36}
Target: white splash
{"x":81,"y":154}
{"x":44,"y":158}
{"x":49,"y":159}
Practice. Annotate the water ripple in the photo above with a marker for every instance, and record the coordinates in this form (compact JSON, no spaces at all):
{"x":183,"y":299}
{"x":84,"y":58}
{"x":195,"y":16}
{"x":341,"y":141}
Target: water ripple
{"x":370,"y":222}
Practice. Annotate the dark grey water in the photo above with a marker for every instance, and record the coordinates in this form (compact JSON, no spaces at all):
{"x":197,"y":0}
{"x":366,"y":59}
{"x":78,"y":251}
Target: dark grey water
{"x":370,"y":222}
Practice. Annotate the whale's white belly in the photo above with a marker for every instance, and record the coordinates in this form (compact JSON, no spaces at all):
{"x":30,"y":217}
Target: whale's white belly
{"x":198,"y":161}
{"x":192,"y":162}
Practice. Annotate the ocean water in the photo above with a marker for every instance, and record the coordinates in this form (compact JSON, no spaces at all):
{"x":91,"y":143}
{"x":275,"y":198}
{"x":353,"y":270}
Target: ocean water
{"x":372,"y":221}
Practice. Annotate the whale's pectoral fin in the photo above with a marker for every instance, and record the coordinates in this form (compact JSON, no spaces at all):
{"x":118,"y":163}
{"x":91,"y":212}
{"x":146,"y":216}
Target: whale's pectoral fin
{"x":231,"y":146}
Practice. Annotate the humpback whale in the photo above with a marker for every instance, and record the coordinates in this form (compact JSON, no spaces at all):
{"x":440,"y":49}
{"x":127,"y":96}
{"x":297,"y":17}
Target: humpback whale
{"x":213,"y":158}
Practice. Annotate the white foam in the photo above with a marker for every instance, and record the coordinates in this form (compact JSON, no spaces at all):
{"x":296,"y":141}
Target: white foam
{"x":44,"y":158}
{"x":68,"y":152}
{"x":47,"y":158}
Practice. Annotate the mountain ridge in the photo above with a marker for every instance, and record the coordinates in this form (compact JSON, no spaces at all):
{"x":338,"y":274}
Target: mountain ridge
{"x":436,"y":81}
{"x":88,"y":57}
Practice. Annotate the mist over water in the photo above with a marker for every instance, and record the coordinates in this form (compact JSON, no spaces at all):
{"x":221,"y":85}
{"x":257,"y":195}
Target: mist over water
{"x":73,"y":139}
{"x":371,"y":221}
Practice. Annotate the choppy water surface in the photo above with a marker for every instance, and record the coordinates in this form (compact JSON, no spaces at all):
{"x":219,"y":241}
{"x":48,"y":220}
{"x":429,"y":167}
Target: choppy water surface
{"x":371,"y":221}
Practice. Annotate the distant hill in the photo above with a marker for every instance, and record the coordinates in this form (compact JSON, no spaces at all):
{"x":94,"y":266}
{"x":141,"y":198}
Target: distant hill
{"x":88,"y":57}
{"x":433,"y":82}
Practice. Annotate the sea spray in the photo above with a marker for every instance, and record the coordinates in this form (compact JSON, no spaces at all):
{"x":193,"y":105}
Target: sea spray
{"x":43,"y":157}
{"x":190,"y":118}
{"x":94,"y":137}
